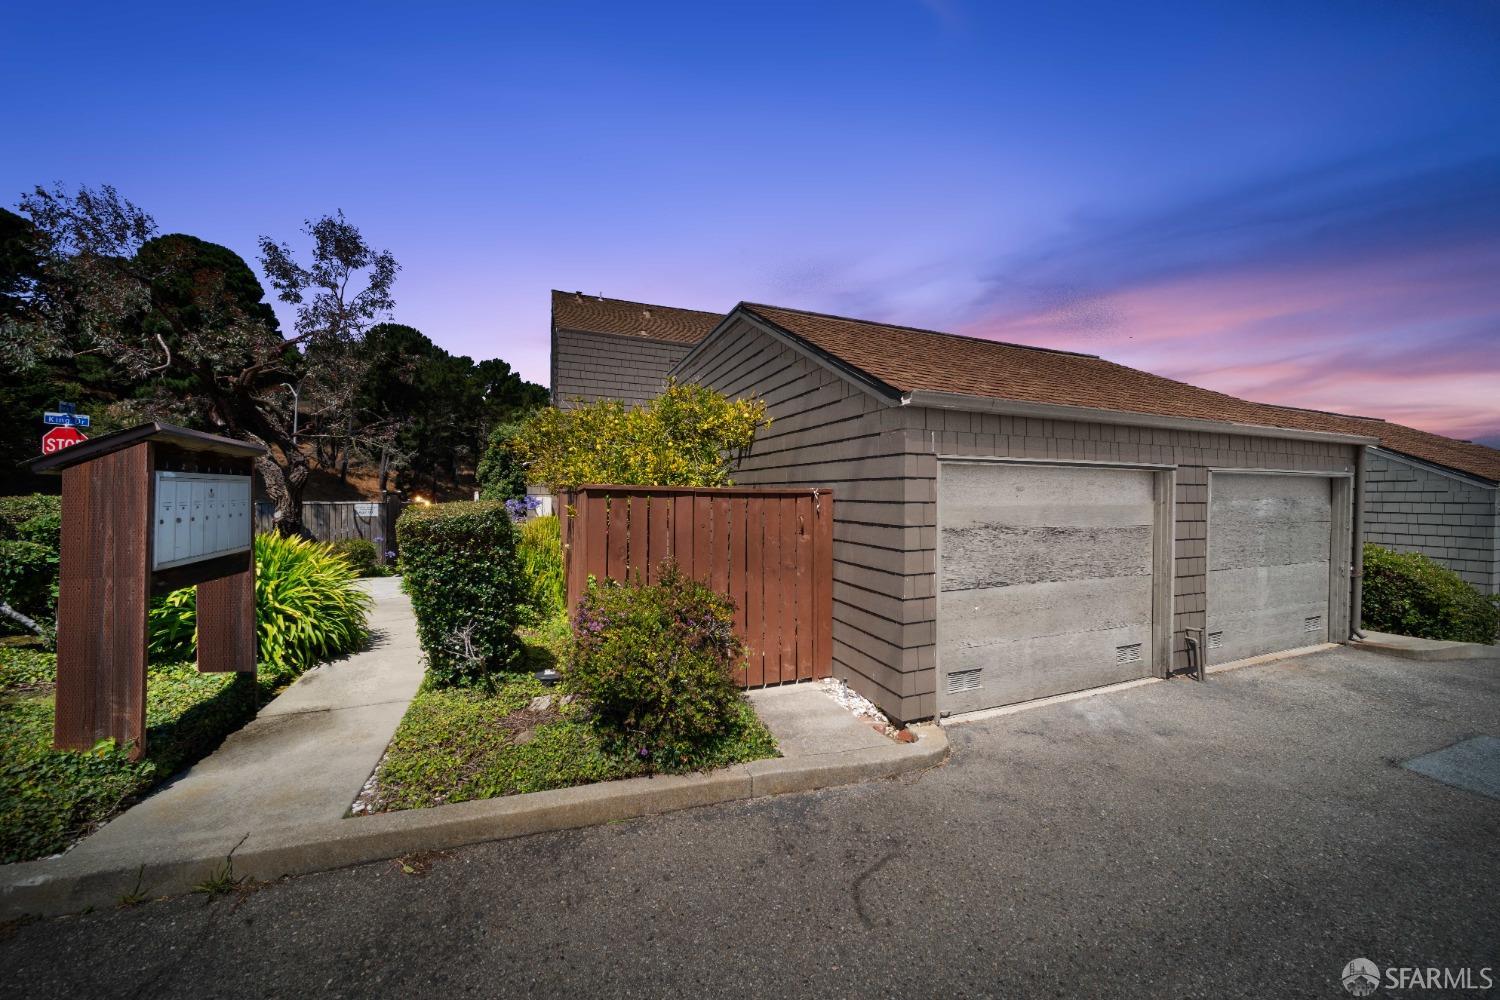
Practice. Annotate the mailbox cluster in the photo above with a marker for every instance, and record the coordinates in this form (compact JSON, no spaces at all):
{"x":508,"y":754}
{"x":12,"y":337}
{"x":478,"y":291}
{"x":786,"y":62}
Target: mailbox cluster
{"x":145,"y":511}
{"x":200,"y":516}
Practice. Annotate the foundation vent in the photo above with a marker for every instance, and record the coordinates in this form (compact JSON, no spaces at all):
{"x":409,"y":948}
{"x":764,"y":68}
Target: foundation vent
{"x":1312,"y":624}
{"x":963,"y":680}
{"x":1215,"y":640}
{"x":1130,"y":653}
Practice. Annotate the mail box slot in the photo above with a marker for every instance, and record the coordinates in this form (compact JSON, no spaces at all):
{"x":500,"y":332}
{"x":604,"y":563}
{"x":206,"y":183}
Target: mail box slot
{"x":199,"y":516}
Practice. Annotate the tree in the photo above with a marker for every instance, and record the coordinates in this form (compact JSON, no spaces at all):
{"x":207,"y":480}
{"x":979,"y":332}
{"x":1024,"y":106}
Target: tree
{"x":184,"y":321}
{"x":687,"y":436}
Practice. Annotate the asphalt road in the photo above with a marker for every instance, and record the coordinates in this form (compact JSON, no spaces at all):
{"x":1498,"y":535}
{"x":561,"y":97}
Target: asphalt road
{"x":1247,"y":837}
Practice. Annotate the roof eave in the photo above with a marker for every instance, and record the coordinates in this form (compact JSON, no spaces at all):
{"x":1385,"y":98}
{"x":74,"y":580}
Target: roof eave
{"x":870,"y":384}
{"x":1061,"y":411}
{"x":1462,"y":475}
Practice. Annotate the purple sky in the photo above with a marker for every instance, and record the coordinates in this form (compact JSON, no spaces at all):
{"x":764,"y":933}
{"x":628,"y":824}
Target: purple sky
{"x":1296,"y":202}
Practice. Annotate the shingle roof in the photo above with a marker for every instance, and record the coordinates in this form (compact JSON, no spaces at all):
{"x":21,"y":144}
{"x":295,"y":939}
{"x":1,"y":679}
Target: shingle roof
{"x":909,"y":359}
{"x":596,"y":314}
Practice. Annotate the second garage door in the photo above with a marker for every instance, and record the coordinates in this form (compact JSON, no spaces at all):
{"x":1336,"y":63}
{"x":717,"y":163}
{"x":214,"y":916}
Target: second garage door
{"x":1044,"y":582}
{"x":1269,"y":538}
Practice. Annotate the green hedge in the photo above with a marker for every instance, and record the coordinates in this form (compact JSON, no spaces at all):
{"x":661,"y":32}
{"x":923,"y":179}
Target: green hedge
{"x":459,"y":566}
{"x":1407,"y":593}
{"x":29,"y":530}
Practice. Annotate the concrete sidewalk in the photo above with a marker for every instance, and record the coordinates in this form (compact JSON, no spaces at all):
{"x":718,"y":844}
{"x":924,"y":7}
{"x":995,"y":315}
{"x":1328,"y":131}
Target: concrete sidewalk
{"x":302,"y":759}
{"x":275,"y":797}
{"x":1427,"y":650}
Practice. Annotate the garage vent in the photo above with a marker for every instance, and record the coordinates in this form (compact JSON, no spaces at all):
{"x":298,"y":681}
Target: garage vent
{"x":963,"y":680}
{"x":1312,"y":624}
{"x":1130,"y":653}
{"x":1215,"y":640}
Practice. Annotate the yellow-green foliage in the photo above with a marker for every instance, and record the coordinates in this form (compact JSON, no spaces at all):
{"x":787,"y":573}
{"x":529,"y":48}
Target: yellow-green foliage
{"x":687,"y":436}
{"x":540,"y":552}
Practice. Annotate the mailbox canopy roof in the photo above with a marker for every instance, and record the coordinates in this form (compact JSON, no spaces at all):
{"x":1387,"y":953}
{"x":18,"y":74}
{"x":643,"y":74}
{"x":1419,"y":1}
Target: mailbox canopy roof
{"x":154,"y":431}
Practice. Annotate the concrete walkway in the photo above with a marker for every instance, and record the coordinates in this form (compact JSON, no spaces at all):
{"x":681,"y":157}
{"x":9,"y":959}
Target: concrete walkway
{"x":301,"y":760}
{"x":276,"y":795}
{"x":1430,"y":650}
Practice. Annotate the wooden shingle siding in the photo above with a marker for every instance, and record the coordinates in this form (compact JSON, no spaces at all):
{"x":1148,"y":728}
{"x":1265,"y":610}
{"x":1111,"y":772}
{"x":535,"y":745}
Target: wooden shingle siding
{"x":881,"y":460}
{"x":588,"y":367}
{"x":1410,"y":507}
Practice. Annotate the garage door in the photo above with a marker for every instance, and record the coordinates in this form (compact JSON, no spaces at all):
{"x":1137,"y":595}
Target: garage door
{"x":1268,"y":547}
{"x":1044,"y":581}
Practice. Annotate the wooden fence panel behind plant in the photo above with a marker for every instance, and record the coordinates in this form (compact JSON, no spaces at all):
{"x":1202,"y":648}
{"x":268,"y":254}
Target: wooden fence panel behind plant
{"x":768,"y":550}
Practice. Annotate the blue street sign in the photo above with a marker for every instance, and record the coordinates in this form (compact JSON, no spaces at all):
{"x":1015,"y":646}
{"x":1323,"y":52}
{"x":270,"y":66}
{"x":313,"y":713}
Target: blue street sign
{"x":66,"y":407}
{"x":52,"y":419}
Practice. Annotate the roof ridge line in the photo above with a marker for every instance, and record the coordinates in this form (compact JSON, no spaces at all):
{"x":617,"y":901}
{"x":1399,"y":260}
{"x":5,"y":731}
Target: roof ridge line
{"x":634,"y":302}
{"x":921,"y":329}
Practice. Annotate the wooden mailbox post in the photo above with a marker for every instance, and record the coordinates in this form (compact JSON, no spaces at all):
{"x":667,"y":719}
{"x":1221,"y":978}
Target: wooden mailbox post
{"x":146,"y":511}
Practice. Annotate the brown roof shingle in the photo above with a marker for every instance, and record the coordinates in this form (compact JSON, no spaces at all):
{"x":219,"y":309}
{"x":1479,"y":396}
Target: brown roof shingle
{"x":596,"y":314}
{"x":908,"y":359}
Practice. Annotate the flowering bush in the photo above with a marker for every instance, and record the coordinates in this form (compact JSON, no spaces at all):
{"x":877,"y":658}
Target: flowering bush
{"x":657,"y":662}
{"x":520,"y":508}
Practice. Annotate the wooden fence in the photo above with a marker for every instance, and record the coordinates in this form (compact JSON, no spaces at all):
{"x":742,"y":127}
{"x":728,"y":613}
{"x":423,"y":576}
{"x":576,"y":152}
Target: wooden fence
{"x":769,"y":550}
{"x":335,"y":520}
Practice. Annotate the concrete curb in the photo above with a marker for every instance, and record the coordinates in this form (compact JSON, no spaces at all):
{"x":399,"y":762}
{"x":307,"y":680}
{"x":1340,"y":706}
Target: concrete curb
{"x":47,"y":887}
{"x":1425,"y":650}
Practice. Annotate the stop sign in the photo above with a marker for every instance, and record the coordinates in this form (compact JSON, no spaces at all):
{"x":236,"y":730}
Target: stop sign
{"x":58,"y":438}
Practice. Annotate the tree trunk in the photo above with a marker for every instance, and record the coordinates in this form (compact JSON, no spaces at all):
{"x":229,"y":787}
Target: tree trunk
{"x":285,"y":486}
{"x":385,"y":469}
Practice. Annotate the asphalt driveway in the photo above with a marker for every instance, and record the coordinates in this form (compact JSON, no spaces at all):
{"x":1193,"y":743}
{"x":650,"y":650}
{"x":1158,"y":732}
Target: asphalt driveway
{"x":1245,"y":837}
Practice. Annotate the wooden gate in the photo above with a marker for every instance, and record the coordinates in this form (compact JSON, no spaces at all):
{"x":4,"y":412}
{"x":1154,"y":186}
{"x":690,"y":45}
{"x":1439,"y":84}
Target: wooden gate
{"x":768,"y":550}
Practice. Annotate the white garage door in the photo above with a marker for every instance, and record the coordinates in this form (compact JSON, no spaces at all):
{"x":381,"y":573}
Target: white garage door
{"x":1268,"y":574}
{"x":1044,"y":582}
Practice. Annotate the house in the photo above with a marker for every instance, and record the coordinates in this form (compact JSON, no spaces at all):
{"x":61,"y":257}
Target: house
{"x":1016,"y":522}
{"x":614,"y":349}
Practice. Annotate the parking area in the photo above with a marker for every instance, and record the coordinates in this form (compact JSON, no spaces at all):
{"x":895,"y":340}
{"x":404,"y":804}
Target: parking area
{"x":1244,"y":837}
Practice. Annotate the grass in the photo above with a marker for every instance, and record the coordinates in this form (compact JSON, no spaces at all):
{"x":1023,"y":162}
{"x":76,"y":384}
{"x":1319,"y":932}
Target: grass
{"x":455,"y":745}
{"x":50,"y":798}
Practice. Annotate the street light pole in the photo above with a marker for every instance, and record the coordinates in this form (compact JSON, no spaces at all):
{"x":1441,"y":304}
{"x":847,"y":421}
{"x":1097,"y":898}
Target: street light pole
{"x":294,"y":409}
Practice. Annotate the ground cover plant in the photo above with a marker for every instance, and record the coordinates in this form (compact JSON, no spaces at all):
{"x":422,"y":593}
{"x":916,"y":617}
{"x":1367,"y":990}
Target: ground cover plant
{"x":1409,"y":594}
{"x":49,"y":798}
{"x":461,"y":743}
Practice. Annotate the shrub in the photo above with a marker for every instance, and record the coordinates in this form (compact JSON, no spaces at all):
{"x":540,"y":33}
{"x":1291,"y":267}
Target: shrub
{"x":500,"y":473}
{"x":656,"y":662}
{"x":28,"y":578}
{"x":1409,"y":594}
{"x":459,"y":566}
{"x":307,"y":608}
{"x":359,"y":553}
{"x":541,"y":557}
{"x":687,"y":436}
{"x":16,"y":511}
{"x":29,"y":530}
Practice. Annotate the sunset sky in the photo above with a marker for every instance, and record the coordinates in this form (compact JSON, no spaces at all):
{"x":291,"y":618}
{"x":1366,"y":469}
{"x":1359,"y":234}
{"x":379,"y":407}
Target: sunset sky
{"x":1295,"y":202}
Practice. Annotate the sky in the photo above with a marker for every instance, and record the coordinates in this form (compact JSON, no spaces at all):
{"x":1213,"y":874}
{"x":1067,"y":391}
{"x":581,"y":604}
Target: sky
{"x":1294,"y":202}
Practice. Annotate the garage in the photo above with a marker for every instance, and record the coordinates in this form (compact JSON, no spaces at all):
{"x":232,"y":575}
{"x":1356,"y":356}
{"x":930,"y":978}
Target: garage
{"x":1046,"y":580}
{"x":1269,"y":572}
